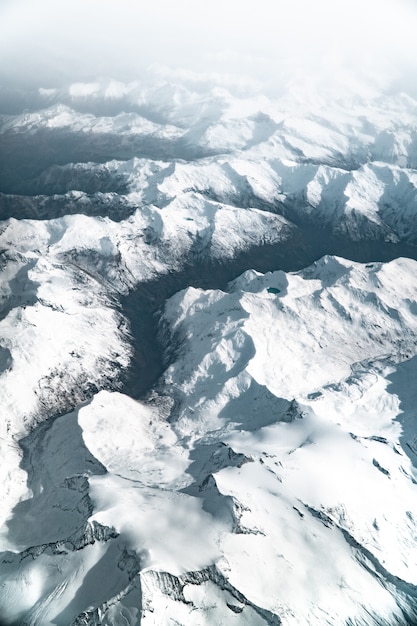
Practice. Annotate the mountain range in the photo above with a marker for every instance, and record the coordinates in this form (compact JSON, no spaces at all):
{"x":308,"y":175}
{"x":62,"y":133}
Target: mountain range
{"x":208,"y":355}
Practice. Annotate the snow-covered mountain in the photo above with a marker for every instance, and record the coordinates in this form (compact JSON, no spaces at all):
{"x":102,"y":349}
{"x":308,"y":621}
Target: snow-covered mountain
{"x":208,"y":348}
{"x":347,"y":165}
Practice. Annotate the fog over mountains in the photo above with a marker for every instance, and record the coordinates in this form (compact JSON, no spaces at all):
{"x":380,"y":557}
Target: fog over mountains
{"x":208,"y":313}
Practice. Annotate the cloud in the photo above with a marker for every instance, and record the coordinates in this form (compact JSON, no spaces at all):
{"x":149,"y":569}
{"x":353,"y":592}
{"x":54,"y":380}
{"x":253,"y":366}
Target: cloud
{"x":50,"y":43}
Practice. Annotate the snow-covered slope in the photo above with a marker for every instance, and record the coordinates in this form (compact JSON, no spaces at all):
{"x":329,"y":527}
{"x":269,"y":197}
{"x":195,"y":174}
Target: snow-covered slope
{"x":62,"y":328}
{"x":268,"y":480}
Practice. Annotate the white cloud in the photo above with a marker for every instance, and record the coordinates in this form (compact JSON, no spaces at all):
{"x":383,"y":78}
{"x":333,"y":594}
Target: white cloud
{"x":49,"y":42}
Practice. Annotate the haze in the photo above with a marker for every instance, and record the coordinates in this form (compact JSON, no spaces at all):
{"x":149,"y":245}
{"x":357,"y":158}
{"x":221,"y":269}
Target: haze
{"x":271,"y":43}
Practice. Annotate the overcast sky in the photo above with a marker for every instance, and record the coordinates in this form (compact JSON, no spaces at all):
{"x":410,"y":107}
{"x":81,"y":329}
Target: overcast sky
{"x":54,"y":42}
